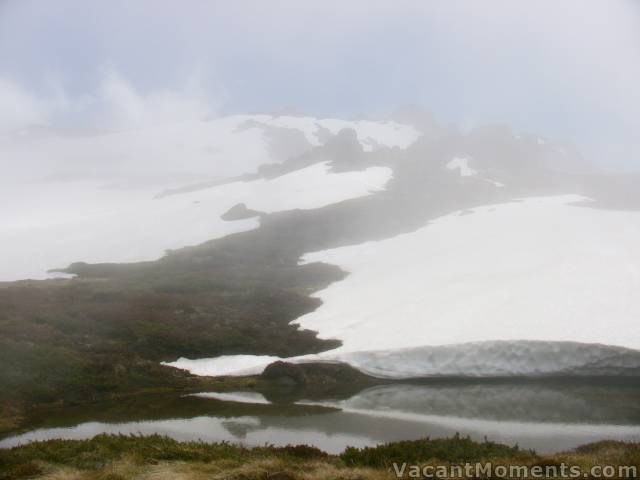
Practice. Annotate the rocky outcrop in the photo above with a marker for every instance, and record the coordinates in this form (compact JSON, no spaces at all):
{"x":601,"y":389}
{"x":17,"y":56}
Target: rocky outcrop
{"x":239,"y":212}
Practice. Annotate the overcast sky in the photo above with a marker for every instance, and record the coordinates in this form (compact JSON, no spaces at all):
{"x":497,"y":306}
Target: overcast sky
{"x":564,"y":69}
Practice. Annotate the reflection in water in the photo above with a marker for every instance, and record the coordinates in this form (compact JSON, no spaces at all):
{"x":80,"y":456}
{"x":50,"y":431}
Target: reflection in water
{"x":577,"y":403}
{"x":544,"y":417}
{"x":245,"y":430}
{"x":241,"y":397}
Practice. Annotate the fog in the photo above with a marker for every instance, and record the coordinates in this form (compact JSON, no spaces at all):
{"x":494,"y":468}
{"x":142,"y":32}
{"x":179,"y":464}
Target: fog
{"x":105,"y":105}
{"x":567,"y":71}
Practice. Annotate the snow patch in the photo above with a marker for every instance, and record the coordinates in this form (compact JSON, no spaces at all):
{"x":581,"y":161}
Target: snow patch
{"x":87,"y":196}
{"x":515,"y":271}
{"x":494,"y":359}
{"x":534,"y":287}
{"x":96,"y":225}
{"x":474,"y":359}
{"x":385,"y":134}
{"x":226,"y":365}
{"x":495,"y":183}
{"x":185,"y":151}
{"x":462,"y":164}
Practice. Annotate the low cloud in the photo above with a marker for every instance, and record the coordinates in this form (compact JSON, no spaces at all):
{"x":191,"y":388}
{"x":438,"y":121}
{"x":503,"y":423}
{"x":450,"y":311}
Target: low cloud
{"x":114,"y":104}
{"x":566,"y":70}
{"x":19,"y":108}
{"x":120,"y":105}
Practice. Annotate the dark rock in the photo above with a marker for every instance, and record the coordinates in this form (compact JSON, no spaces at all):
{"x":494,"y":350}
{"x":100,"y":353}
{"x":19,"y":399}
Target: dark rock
{"x":239,"y":212}
{"x":316,"y":376}
{"x":285,"y":373}
{"x":345,"y":151}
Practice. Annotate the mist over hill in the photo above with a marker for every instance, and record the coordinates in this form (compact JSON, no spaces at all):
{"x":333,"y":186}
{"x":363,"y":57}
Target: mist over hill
{"x":487,"y":252}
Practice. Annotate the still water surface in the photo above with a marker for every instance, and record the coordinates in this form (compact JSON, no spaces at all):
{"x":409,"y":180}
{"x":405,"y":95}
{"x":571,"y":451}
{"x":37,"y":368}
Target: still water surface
{"x":544,"y":417}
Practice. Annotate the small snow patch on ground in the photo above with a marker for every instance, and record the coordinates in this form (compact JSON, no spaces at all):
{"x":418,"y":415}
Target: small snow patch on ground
{"x":232,"y":365}
{"x":462,"y":164}
{"x":495,"y":183}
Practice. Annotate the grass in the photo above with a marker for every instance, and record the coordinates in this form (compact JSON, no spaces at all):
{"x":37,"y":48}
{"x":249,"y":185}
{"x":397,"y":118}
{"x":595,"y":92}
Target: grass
{"x":79,"y":341}
{"x":454,"y":450}
{"x":109,"y":457}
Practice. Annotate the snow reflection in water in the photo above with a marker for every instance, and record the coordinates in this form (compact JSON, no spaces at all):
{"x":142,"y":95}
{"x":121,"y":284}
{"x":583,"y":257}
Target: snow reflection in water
{"x":544,"y":417}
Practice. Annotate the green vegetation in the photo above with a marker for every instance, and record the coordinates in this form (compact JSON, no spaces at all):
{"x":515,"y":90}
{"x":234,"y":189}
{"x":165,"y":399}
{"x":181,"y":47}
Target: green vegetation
{"x":127,"y":457}
{"x":95,"y":454}
{"x":453,"y":450}
{"x":104,"y":335}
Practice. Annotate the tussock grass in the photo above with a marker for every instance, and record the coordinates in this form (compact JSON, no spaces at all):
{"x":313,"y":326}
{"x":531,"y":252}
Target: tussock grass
{"x":111,"y":457}
{"x":453,"y":450}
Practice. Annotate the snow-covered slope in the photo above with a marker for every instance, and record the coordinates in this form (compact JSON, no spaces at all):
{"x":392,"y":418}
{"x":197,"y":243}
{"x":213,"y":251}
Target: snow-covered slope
{"x":542,"y":269}
{"x":538,"y":286}
{"x":514,"y":271}
{"x":186,"y":151}
{"x":371,"y":134}
{"x":127,"y":227}
{"x":463,"y":277}
{"x":80,"y":196}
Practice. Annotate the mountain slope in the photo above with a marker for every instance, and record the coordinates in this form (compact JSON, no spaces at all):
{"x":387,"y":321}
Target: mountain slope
{"x":389,"y":221}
